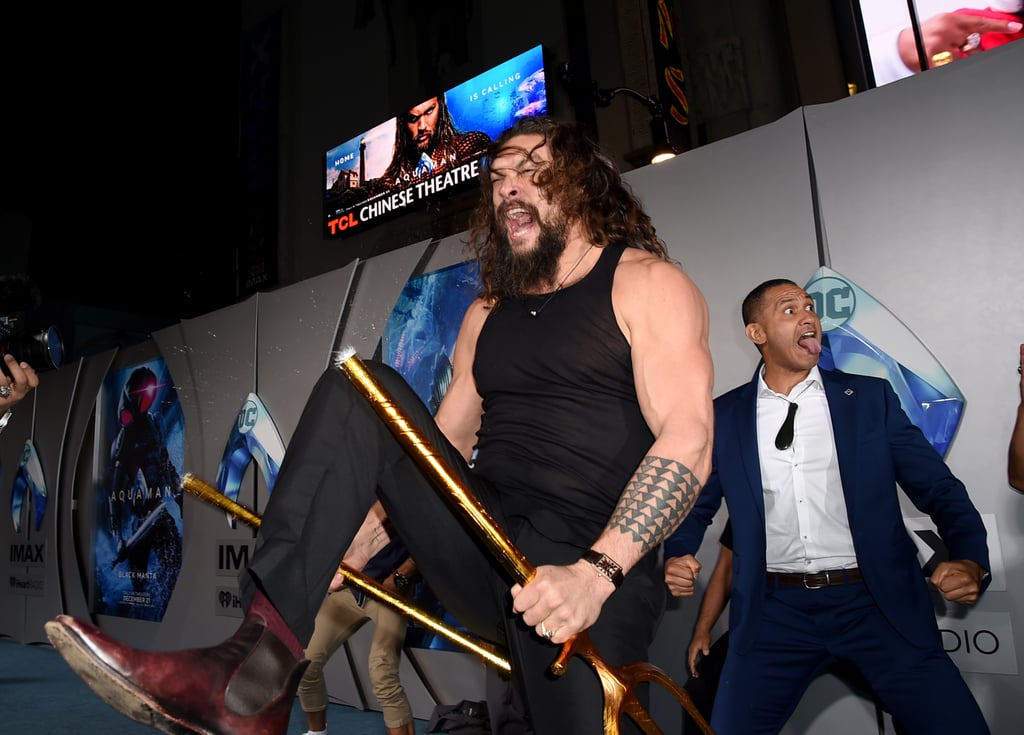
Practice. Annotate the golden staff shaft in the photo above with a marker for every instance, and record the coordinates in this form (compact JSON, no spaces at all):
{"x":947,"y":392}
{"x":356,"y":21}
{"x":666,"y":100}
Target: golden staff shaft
{"x":619,"y":684}
{"x":436,"y":468}
{"x":353,"y":577}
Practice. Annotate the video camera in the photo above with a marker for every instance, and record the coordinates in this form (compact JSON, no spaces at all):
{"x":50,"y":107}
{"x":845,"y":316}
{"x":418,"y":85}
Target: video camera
{"x":43,"y":349}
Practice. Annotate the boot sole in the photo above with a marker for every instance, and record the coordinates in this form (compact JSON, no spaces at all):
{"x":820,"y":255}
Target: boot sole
{"x":111,"y":687}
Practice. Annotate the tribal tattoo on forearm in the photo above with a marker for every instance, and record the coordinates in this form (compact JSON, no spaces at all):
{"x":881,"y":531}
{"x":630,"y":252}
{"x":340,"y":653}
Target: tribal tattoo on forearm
{"x":651,"y":506}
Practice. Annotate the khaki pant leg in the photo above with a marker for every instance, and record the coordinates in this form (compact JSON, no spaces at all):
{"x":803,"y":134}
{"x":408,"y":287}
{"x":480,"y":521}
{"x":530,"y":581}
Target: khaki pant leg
{"x":384,"y":662}
{"x":338,"y":619}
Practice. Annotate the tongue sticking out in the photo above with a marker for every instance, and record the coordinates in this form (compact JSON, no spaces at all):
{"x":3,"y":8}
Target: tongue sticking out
{"x":811,"y":344}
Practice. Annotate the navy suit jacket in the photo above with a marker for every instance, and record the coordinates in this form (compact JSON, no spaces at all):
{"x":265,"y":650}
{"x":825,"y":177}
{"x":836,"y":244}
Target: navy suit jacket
{"x":877,"y":447}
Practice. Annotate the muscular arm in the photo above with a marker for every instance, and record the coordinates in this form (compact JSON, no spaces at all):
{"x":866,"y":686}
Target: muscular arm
{"x":664,"y":317}
{"x":459,"y":414}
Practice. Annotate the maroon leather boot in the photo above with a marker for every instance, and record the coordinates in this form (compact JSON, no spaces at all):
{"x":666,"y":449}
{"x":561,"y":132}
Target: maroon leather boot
{"x":243,"y":686}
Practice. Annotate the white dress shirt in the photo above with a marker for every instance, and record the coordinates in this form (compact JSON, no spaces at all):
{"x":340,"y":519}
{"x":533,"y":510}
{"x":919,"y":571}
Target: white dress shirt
{"x":806,"y":524}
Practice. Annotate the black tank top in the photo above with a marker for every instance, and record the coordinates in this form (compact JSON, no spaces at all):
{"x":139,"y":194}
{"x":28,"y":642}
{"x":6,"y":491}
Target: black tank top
{"x":562,"y":431}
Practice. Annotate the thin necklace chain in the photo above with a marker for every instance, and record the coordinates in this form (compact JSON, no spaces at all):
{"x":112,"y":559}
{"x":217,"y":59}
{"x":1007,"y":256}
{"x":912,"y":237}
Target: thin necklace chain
{"x":539,"y":309}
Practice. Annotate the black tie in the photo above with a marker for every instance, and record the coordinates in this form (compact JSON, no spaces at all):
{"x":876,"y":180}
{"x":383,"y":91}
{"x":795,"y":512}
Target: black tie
{"x":784,"y":439}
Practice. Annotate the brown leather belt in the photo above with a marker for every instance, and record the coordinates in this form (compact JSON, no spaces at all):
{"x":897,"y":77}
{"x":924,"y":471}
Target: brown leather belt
{"x":815,"y":580}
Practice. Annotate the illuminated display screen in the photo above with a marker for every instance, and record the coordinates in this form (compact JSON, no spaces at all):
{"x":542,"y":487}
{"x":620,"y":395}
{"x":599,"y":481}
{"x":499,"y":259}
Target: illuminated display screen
{"x":431,"y":150}
{"x":891,"y":45}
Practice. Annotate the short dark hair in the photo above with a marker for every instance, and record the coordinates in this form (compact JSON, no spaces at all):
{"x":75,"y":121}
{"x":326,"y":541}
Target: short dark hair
{"x":754,"y":302}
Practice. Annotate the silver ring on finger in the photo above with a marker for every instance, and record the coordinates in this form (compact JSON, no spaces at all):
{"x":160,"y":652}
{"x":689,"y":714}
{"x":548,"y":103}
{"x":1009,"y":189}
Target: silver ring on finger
{"x":5,"y":391}
{"x":972,"y":42}
{"x":545,"y":632}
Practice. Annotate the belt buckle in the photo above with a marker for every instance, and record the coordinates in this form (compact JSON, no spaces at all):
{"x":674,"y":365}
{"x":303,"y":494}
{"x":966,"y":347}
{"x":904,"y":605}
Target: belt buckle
{"x":808,"y":585}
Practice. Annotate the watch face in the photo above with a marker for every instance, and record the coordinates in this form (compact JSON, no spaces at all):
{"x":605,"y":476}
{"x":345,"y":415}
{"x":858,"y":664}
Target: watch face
{"x":604,"y":564}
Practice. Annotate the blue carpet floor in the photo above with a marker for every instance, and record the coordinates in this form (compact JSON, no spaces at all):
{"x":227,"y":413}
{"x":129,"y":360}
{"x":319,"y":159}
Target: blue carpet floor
{"x":40,"y":694}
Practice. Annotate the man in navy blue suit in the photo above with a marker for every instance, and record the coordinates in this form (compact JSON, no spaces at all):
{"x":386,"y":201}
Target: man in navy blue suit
{"x":824,"y":570}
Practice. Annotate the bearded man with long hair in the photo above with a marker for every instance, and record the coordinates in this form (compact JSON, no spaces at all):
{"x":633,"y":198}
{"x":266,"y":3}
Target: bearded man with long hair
{"x":427,"y":143}
{"x":579,"y":414}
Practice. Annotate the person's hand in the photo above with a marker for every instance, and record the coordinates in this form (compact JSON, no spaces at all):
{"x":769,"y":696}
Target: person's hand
{"x":700,"y":644}
{"x":562,"y":600}
{"x":373,"y":535}
{"x":19,"y":378}
{"x":959,"y":580}
{"x":681,"y":574}
{"x":337,"y":582}
{"x":948,"y":32}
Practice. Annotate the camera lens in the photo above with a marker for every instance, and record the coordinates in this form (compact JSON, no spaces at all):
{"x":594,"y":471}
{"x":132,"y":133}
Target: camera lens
{"x":42,"y":350}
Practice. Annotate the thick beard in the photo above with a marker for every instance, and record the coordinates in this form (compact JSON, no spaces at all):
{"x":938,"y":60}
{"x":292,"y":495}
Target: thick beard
{"x":429,"y":145}
{"x":517,"y":274}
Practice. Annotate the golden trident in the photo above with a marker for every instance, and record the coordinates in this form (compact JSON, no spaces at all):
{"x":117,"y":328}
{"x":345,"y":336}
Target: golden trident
{"x":619,"y":683}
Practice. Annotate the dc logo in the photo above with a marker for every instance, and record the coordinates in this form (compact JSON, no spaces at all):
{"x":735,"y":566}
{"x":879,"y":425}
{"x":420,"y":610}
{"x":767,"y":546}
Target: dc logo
{"x":248,"y":417}
{"x":254,"y":437}
{"x":29,"y":489}
{"x":834,"y":300}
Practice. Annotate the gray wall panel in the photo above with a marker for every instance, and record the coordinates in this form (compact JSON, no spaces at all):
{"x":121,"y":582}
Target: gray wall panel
{"x":734,"y":214}
{"x":16,"y":576}
{"x":54,"y":395}
{"x":31,"y":562}
{"x":296,"y":331}
{"x":212,"y":360}
{"x":20,"y":579}
{"x":378,"y":282}
{"x":77,"y":517}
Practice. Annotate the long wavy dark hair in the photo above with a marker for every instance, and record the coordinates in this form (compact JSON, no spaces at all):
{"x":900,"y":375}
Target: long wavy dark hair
{"x":581,"y":180}
{"x":406,"y":155}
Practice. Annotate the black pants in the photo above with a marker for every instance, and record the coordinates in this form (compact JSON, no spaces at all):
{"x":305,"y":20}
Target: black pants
{"x":341,"y":458}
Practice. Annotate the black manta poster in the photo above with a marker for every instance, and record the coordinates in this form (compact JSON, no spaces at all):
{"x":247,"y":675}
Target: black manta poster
{"x":139,"y":458}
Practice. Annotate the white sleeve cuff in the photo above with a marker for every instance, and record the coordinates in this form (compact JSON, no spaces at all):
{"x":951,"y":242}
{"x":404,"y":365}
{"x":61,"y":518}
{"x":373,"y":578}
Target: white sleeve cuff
{"x":886,"y":63}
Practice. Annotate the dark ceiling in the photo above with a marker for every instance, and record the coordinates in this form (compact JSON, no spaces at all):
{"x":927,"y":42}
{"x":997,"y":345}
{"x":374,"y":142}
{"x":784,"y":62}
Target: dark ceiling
{"x":118,"y":140}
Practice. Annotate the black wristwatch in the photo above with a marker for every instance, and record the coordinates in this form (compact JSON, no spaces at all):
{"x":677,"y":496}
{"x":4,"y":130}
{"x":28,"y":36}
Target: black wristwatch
{"x":401,"y":582}
{"x":605,"y":566}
